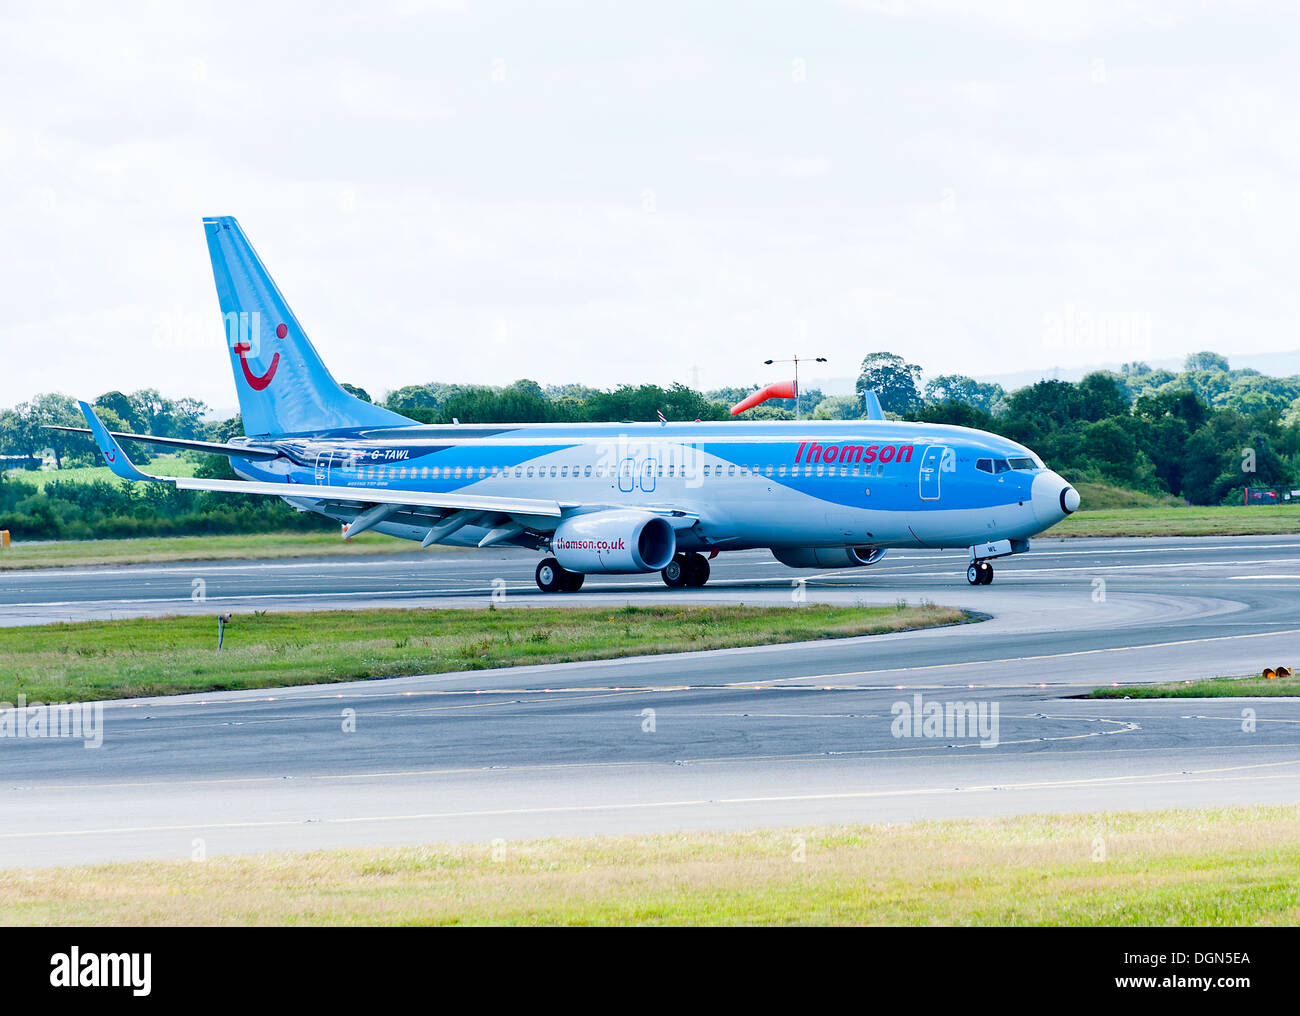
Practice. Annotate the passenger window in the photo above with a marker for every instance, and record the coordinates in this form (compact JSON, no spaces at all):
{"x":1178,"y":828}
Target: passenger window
{"x":587,"y":471}
{"x":781,"y":470}
{"x":731,"y":470}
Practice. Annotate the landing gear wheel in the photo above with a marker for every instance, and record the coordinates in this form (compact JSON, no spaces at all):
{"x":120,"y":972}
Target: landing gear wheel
{"x":697,"y":570}
{"x":549,"y":575}
{"x":571,"y":582}
{"x":675,"y":573}
{"x":980,"y":573}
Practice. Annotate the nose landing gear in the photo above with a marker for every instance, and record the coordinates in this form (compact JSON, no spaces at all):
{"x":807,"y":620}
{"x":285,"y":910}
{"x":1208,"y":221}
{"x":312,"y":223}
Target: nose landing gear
{"x":980,"y":573}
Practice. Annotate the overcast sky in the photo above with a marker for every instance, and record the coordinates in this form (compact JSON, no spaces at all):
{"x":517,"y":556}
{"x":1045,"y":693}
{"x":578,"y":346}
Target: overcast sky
{"x":609,"y":192}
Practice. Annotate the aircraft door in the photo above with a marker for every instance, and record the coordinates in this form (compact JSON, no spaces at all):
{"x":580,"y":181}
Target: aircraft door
{"x":936,"y":461}
{"x":648,"y":475}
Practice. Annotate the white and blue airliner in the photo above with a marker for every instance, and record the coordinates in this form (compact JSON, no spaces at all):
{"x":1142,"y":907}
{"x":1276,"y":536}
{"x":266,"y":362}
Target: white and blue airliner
{"x":613,"y":498}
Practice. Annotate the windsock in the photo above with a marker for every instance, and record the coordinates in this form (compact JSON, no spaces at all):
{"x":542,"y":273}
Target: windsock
{"x":779,"y":390}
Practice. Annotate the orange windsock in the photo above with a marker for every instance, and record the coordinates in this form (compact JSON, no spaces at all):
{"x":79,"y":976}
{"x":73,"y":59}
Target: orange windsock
{"x":778,"y":390}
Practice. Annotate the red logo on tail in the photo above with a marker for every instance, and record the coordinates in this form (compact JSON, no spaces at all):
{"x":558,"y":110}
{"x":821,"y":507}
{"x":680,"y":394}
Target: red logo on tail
{"x":254,"y":381}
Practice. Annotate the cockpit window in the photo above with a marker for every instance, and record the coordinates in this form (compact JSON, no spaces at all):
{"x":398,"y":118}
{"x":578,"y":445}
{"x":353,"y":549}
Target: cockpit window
{"x":1024,"y":463}
{"x":999,"y":465}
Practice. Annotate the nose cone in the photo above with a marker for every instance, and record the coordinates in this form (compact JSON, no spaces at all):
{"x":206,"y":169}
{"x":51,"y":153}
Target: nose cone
{"x":1053,"y":498}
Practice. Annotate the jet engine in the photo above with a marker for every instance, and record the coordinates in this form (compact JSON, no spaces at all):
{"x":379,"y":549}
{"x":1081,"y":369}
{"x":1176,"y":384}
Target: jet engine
{"x":617,"y":541}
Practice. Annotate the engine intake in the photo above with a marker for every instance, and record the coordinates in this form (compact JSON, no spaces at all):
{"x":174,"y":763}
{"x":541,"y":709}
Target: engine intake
{"x":828,"y":557}
{"x":618,"y":541}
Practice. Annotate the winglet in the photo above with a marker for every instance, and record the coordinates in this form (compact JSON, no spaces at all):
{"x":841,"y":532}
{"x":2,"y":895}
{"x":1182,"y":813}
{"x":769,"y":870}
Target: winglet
{"x":871,"y":404}
{"x":117,"y":460}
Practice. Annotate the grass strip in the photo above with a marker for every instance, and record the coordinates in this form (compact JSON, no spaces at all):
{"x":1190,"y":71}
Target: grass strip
{"x":90,"y":660}
{"x":1226,"y":866}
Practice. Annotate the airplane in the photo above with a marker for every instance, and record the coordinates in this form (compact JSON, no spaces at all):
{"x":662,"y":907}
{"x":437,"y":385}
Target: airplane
{"x":599,"y":498}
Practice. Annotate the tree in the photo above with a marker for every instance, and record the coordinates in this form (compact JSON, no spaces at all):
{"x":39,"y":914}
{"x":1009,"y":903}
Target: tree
{"x":894,"y":380}
{"x":1205,"y":361}
{"x":838,"y":407}
{"x":124,"y":408}
{"x":982,"y":395}
{"x":959,"y":414}
{"x":1111,"y":447}
{"x":360,"y":393}
{"x":16,"y":434}
{"x":1102,"y":395}
{"x":53,"y":408}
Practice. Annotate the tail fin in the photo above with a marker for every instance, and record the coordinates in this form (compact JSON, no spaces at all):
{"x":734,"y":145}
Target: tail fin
{"x":283,"y":386}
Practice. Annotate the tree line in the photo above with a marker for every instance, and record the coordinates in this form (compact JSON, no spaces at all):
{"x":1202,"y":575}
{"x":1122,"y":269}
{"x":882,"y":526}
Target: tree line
{"x":1200,"y":434}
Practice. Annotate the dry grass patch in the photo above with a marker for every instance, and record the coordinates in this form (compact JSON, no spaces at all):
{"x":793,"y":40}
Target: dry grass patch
{"x":1192,"y":867}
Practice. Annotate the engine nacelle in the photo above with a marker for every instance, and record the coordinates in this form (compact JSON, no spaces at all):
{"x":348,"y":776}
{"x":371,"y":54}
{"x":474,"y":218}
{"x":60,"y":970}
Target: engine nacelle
{"x":618,"y":541}
{"x":828,"y":557}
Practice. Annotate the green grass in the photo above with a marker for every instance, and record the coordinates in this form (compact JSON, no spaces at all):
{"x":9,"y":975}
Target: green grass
{"x":159,"y":656}
{"x":1214,"y":687}
{"x":1094,"y":496}
{"x":162,"y":465}
{"x":221,"y":547}
{"x":1189,"y":520}
{"x":1232,"y":866}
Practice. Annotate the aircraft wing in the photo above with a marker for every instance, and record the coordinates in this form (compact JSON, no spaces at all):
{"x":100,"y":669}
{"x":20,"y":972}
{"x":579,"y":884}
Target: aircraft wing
{"x":370,"y":502}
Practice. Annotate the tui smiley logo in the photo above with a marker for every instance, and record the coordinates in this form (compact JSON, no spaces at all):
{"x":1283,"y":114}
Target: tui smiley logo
{"x":258,"y":382}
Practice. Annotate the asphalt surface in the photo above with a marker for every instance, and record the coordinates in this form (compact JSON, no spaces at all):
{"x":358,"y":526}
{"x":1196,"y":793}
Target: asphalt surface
{"x":769,"y":736}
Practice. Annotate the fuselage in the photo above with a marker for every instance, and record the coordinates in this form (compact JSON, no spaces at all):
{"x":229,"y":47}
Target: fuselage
{"x":751,"y":484}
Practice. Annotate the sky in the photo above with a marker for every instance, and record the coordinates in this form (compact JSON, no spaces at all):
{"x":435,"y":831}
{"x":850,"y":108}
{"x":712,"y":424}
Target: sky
{"x":609,"y":193}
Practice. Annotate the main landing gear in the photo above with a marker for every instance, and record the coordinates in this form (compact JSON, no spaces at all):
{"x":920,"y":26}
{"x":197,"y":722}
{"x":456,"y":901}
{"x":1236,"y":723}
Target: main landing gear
{"x":551,"y":578}
{"x":980,"y":573}
{"x":686,"y":570}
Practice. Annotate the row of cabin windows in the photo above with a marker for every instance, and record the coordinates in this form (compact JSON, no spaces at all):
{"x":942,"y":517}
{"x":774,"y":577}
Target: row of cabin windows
{"x":585,"y":472}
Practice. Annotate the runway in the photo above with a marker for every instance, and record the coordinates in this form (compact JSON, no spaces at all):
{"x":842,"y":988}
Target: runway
{"x":769,"y":736}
